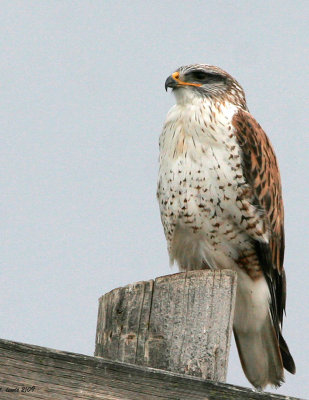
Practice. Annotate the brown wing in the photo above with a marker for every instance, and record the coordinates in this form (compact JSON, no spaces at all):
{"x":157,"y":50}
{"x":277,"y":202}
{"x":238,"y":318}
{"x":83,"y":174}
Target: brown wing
{"x":262,"y":174}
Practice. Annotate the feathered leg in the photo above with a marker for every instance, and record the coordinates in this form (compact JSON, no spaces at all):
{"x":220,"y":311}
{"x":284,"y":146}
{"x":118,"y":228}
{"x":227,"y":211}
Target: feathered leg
{"x":255,"y":335}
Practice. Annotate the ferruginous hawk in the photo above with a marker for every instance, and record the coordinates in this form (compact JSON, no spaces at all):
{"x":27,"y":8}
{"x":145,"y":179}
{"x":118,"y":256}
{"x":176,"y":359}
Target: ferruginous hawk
{"x":221,"y":206}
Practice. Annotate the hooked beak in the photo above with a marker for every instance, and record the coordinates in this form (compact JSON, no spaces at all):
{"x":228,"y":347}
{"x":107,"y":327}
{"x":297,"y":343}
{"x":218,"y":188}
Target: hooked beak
{"x":170,"y":83}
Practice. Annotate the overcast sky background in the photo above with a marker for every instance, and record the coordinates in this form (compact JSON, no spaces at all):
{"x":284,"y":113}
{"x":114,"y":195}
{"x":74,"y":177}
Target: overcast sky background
{"x":82,"y":104}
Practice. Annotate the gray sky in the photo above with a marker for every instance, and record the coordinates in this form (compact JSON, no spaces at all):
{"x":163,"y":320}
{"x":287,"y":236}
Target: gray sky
{"x":82,"y":104}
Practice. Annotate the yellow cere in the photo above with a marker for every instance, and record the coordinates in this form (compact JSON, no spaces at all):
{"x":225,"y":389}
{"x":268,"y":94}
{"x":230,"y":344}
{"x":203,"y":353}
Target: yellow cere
{"x":175,"y":76}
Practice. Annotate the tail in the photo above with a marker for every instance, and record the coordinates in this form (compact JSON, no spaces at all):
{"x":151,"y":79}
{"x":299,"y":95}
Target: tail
{"x":263,"y":353}
{"x":287,"y":359}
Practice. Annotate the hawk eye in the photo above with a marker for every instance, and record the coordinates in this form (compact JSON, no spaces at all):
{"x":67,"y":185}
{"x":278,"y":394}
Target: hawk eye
{"x":200,"y":75}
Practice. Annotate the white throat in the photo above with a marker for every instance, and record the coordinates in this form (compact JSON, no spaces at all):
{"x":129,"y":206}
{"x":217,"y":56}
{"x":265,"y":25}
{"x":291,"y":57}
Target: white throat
{"x":195,"y":123}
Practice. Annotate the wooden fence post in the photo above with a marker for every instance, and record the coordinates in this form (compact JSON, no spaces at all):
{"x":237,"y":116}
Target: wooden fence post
{"x":180,"y":323}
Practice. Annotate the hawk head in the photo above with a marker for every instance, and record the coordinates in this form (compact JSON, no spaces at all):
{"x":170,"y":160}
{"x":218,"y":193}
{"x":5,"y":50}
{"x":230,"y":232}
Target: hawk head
{"x":206,"y":81}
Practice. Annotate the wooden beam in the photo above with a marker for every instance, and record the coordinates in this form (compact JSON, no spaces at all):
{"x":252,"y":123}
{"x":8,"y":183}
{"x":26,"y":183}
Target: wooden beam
{"x":180,"y":322}
{"x":51,"y":374}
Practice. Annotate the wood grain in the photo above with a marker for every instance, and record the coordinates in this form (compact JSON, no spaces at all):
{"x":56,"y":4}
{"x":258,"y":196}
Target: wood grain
{"x":180,"y":323}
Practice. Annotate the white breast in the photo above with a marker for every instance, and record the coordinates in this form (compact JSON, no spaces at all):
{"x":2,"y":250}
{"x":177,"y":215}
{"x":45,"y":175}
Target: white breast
{"x":199,"y":179}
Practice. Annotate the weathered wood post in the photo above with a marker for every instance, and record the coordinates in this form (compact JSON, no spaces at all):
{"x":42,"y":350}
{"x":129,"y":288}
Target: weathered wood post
{"x":180,"y":323}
